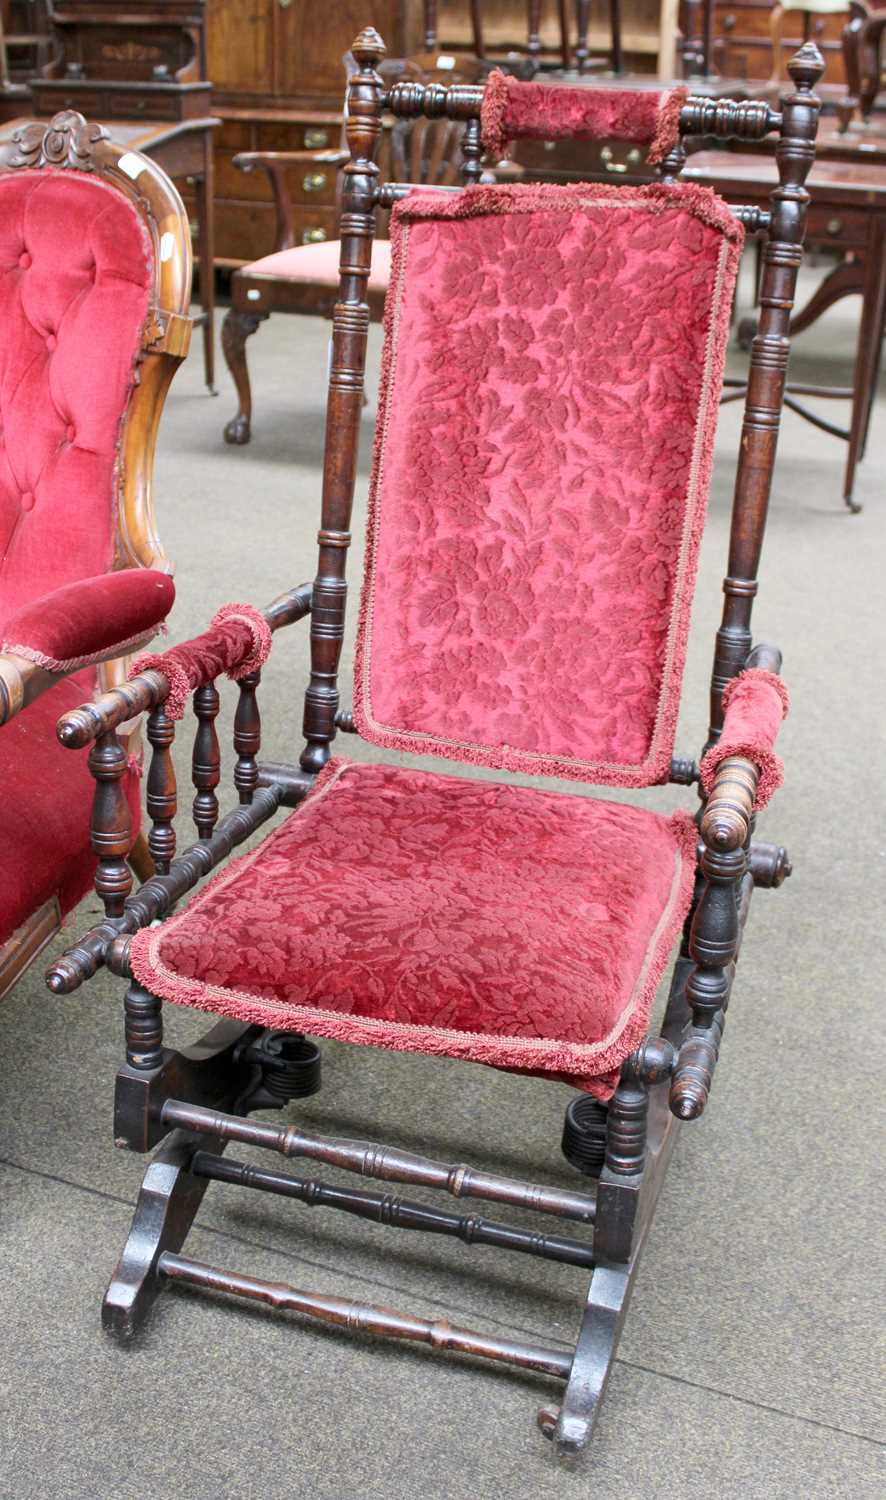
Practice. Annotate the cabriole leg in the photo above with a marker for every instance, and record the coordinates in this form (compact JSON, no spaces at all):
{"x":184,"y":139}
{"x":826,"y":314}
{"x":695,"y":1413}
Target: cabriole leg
{"x":236,"y":329}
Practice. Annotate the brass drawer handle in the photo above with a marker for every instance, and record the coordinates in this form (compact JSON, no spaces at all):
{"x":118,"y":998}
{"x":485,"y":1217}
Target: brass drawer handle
{"x":313,"y":236}
{"x":316,"y":138}
{"x":834,"y":226}
{"x":314,"y":182}
{"x":609,"y":164}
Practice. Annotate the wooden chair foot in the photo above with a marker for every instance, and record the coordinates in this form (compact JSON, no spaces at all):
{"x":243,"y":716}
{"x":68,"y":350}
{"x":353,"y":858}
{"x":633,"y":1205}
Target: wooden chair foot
{"x":167,"y":1205}
{"x":236,"y":329}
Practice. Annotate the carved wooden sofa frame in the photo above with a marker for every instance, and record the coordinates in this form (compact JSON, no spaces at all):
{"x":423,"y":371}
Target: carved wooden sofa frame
{"x":195,"y":1101}
{"x":69,"y":143}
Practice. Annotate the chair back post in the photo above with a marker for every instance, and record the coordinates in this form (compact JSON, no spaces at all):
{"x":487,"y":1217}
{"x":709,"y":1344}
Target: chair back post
{"x":350,"y":327}
{"x":782,"y":255}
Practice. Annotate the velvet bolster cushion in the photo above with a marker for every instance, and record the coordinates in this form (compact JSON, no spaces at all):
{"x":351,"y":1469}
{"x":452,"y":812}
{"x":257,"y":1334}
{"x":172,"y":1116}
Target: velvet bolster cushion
{"x":513,"y":110}
{"x":237,"y":642}
{"x":441,"y":914}
{"x":76,"y":267}
{"x":755,"y":703}
{"x":551,"y":375}
{"x":87,"y":621}
{"x":45,"y":808}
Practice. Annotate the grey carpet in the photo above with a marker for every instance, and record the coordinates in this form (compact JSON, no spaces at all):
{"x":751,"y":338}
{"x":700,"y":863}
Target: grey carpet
{"x":748,"y":1366}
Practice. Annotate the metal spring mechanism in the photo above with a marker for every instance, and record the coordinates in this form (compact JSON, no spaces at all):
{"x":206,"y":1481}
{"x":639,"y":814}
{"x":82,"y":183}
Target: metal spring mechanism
{"x":584,"y":1135}
{"x":290,"y":1064}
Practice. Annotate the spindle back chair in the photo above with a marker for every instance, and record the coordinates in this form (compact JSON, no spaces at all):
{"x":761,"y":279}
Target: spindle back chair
{"x":532,"y":55}
{"x":460,"y":860}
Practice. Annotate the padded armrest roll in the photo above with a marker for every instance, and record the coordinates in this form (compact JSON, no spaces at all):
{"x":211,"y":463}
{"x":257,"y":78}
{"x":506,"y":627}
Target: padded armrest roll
{"x":513,"y":110}
{"x":90,"y":620}
{"x":237,"y":642}
{"x":755,"y":703}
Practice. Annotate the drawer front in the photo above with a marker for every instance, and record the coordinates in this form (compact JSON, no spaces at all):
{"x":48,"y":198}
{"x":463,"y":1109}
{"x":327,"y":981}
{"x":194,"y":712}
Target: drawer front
{"x":837,"y":226}
{"x":129,"y":107}
{"x":571,"y":161}
{"x":246,"y":231}
{"x":274,"y":136}
{"x":51,"y":100}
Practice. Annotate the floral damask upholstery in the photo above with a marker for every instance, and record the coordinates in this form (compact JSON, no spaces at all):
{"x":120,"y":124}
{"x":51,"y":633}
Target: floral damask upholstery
{"x":438,"y":914}
{"x":552,"y":370}
{"x":513,"y":110}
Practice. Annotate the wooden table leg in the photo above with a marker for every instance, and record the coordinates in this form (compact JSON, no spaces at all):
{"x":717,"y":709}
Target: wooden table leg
{"x":867,"y":358}
{"x":205,"y":185}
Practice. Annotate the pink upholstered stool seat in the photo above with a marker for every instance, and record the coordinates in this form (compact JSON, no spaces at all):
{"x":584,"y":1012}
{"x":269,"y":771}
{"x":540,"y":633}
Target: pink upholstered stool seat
{"x":428,"y":913}
{"x":319,"y":263}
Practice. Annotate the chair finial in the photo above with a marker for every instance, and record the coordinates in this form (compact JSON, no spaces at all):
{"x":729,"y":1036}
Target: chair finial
{"x":806,"y":67}
{"x":368,"y":48}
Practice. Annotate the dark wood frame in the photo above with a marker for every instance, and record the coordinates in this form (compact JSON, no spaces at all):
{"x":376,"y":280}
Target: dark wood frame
{"x":582,"y":56}
{"x":862,"y":59}
{"x":68,"y":143}
{"x":195,"y":1102}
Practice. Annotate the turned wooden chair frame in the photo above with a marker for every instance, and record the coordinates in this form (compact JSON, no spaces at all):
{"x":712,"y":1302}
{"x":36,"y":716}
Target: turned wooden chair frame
{"x":197,"y":1100}
{"x":583,"y":60}
{"x":862,"y":42}
{"x":69,"y":143}
{"x":255,"y":295}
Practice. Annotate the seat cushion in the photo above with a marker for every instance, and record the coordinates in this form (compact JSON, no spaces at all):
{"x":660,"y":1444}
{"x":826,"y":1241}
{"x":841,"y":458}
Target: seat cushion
{"x":45,"y":808}
{"x":319,"y":263}
{"x":403,"y":909}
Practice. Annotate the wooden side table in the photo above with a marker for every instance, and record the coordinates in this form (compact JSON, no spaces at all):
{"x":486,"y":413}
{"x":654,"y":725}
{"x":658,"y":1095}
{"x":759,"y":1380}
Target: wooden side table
{"x":184,"y":150}
{"x":848,"y":214}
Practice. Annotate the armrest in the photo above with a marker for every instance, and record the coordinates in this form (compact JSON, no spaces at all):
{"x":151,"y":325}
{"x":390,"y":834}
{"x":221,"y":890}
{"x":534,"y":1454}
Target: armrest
{"x":79,"y":625}
{"x":237,"y":642}
{"x":742,"y":767}
{"x":274,"y":163}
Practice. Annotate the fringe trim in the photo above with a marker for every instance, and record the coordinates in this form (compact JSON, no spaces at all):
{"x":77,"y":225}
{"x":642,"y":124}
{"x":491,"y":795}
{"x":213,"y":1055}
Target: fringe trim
{"x":540,"y":1055}
{"x":667,"y":130}
{"x":757,"y":674}
{"x":176,"y":700}
{"x":262,"y":636}
{"x":492,"y":114}
{"x":72,"y":663}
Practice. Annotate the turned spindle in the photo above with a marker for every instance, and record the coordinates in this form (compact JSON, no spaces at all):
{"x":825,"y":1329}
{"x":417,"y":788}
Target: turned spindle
{"x":206,"y":761}
{"x":161,"y":798}
{"x":111,"y":829}
{"x":247,"y":737}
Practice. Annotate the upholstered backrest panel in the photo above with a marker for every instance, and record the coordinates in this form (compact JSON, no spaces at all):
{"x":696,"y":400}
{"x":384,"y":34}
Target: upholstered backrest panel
{"x":552,"y":367}
{"x":75,"y":274}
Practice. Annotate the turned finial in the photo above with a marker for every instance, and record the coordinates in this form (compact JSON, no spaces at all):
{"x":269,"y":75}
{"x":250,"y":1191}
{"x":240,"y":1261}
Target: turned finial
{"x":369,"y":49}
{"x":806,"y":67}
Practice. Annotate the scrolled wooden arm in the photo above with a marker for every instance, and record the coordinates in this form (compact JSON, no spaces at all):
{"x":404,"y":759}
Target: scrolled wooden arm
{"x":82,"y":725}
{"x":21,"y":681}
{"x":274,"y":163}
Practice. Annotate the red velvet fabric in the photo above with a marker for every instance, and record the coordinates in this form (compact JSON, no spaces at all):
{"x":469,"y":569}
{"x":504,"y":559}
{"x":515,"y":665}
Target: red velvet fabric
{"x":312,"y":263}
{"x":513,"y":110}
{"x":237,"y":642}
{"x":75,"y":273}
{"x":82,"y":622}
{"x":552,"y":367}
{"x":437,"y":914}
{"x":45,"y":808}
{"x":755,"y":702}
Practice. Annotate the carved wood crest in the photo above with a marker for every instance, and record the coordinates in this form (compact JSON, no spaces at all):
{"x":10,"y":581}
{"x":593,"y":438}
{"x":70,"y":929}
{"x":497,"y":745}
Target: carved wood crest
{"x":68,"y":140}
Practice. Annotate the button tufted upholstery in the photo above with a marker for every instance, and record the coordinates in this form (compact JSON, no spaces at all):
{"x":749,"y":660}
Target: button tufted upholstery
{"x":75,"y":276}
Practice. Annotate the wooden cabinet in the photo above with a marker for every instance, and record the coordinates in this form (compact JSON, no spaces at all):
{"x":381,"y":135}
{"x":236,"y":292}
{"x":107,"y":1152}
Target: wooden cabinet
{"x":743,"y":48}
{"x":278,"y":84}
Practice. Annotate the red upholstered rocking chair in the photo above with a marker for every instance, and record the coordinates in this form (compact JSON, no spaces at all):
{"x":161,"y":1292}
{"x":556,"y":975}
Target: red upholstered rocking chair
{"x":94,"y":276}
{"x":552,"y":367}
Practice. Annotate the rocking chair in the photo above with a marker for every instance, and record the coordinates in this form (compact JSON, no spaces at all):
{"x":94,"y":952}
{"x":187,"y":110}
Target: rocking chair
{"x":95,"y":264}
{"x":552,"y":366}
